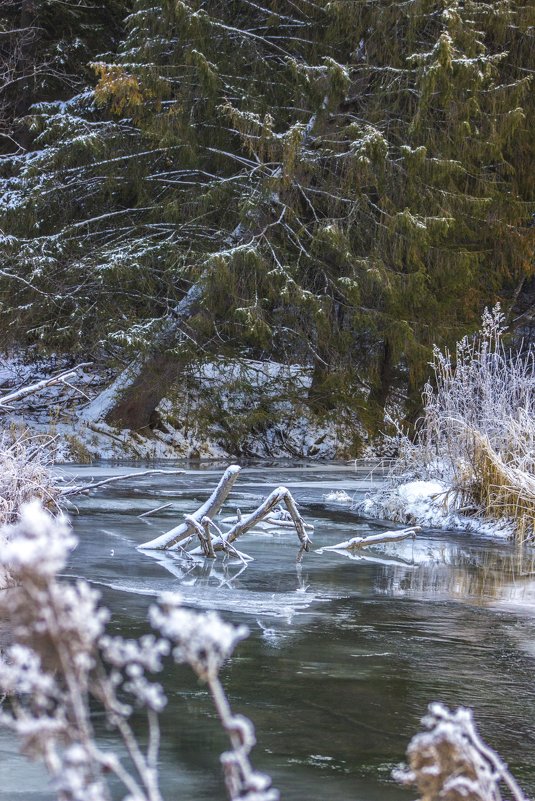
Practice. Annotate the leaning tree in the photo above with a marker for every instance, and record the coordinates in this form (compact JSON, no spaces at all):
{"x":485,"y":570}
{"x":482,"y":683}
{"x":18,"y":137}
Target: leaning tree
{"x":338,"y":184}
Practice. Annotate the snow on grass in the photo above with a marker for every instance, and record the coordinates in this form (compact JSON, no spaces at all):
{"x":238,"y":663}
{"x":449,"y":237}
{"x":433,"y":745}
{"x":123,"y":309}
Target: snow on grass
{"x":471,"y":464}
{"x":432,"y":504}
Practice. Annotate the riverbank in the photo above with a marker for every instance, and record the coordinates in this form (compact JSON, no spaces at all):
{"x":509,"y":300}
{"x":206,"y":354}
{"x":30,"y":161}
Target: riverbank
{"x":225,"y":410}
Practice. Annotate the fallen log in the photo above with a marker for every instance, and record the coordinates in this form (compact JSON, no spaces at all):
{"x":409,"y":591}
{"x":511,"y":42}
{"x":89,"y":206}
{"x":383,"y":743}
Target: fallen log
{"x":374,"y":539}
{"x":209,"y":509}
{"x":247,"y":522}
{"x":61,"y":378}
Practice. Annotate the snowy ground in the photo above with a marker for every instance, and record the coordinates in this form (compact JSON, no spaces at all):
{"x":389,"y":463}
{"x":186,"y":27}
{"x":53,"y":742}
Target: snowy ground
{"x":432,"y":504}
{"x":248,"y":409}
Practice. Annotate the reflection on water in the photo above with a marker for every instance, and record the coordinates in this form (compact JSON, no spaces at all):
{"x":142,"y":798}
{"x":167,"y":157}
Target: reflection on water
{"x":490,"y":574}
{"x":344,"y":653}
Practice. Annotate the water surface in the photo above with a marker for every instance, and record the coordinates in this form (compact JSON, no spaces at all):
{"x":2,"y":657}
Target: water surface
{"x":344,"y":654}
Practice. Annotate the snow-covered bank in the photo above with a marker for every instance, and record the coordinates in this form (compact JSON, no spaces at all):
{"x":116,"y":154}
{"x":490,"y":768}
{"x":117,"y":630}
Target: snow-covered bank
{"x":431,"y":504}
{"x":470,"y":464}
{"x":223,"y":409}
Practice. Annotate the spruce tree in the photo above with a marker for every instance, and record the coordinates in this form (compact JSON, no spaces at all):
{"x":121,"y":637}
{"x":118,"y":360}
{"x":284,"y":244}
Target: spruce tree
{"x":343,"y":182}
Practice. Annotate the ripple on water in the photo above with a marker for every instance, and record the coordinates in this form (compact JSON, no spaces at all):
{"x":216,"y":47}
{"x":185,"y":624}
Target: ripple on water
{"x":344,"y":654}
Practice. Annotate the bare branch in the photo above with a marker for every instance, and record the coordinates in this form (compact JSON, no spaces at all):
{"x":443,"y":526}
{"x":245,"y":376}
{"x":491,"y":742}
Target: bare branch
{"x":208,"y":509}
{"x":374,"y":539}
{"x":40,"y":385}
{"x":113,"y":479}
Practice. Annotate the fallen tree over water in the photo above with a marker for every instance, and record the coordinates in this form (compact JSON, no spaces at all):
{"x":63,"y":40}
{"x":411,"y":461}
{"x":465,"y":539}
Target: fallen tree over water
{"x":201,"y":524}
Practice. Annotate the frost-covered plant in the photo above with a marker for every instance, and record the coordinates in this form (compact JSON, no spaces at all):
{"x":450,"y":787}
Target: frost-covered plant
{"x":449,"y":761}
{"x":63,"y":663}
{"x":25,"y":474}
{"x":477,"y":430}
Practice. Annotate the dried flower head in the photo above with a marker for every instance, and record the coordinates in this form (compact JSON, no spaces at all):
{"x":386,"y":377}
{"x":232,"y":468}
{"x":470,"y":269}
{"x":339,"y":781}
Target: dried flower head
{"x":202,"y":640}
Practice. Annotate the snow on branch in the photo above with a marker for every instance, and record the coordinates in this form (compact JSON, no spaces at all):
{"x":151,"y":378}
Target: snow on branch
{"x":78,"y":490}
{"x":356,"y":543}
{"x":281,"y":495}
{"x":209,"y":509}
{"x":23,"y":392}
{"x":278,"y":509}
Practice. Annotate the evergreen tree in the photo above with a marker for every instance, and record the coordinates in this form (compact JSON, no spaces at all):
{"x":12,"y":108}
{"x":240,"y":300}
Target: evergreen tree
{"x":343,"y":183}
{"x":45,"y":47}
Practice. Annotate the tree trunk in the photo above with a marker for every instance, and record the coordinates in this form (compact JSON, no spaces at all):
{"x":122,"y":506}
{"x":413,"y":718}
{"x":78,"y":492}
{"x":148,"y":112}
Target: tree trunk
{"x":132,"y":399}
{"x":321,"y":399}
{"x":380,"y":392}
{"x":135,"y":408}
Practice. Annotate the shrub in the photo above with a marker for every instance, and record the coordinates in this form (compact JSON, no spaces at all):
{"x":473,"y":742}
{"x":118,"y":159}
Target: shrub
{"x":477,"y":431}
{"x":25,"y":473}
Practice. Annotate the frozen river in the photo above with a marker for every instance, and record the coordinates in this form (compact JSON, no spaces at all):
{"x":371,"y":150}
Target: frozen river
{"x":344,"y":654}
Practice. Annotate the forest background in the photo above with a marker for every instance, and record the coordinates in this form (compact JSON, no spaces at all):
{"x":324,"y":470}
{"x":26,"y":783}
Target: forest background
{"x":333,"y":186}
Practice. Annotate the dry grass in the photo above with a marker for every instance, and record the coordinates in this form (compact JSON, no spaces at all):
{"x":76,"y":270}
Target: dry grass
{"x":25,"y":474}
{"x":477,"y":431}
{"x":502,"y":489}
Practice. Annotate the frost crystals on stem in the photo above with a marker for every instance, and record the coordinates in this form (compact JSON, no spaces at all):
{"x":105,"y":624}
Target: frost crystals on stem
{"x":63,"y":663}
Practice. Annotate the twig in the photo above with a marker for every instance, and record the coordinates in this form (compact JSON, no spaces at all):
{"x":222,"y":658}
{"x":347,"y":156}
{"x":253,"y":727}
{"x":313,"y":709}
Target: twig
{"x":153,"y":511}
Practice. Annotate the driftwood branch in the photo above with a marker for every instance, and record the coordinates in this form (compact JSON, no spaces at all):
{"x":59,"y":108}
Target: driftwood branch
{"x":203,"y":532}
{"x":200,"y":523}
{"x":374,"y":539}
{"x":247,"y":522}
{"x":86,"y":487}
{"x":23,"y":392}
{"x":209,"y":509}
{"x":157,"y":509}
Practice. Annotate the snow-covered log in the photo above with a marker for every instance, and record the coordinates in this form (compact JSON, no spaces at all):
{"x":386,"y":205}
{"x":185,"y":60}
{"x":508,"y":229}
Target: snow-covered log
{"x":209,"y":509}
{"x":247,"y":522}
{"x":374,"y":539}
{"x":201,"y":523}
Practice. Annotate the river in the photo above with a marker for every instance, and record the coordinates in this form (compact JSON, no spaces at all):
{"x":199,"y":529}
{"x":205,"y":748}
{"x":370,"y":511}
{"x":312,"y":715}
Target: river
{"x":343,"y":654}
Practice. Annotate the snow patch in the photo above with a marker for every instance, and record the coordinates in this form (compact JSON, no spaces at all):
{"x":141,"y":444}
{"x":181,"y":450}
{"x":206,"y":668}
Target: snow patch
{"x":222,"y":409}
{"x":432,"y":504}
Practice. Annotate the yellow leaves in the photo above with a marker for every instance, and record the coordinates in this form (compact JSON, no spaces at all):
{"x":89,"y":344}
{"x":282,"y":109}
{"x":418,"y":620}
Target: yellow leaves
{"x":512,"y":121}
{"x":119,"y":90}
{"x":444,"y":51}
{"x":350,"y":288}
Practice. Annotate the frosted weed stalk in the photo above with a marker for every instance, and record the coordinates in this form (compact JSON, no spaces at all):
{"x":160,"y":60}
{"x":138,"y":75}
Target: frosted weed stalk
{"x":477,"y":431}
{"x":63,"y":662}
{"x":449,"y":761}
